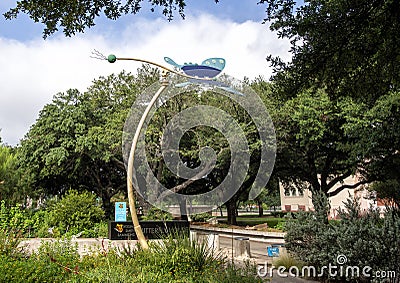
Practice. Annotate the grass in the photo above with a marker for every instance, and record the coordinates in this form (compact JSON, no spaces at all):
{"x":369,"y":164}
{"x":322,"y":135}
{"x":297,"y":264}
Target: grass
{"x":175,"y":259}
{"x":250,"y":220}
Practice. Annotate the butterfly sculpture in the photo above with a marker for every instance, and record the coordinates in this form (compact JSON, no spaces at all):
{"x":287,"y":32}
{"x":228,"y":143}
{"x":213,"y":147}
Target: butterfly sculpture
{"x":209,"y":68}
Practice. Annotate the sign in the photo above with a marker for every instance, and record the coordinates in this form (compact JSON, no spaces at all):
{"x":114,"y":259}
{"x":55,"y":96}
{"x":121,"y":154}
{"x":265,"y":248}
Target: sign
{"x":273,"y":250}
{"x":124,"y":230}
{"x":120,"y":211}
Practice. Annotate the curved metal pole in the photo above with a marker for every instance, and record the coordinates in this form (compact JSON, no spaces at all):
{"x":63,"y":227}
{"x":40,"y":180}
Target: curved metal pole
{"x":131,"y":197}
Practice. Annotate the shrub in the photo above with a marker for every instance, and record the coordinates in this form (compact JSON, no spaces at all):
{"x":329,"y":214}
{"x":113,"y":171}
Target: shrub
{"x":14,"y":219}
{"x":279,"y":214}
{"x":155,"y":213}
{"x":201,"y":217}
{"x":9,"y":243}
{"x":364,"y":239}
{"x":75,"y":213}
{"x":54,"y":262}
{"x":176,"y":259}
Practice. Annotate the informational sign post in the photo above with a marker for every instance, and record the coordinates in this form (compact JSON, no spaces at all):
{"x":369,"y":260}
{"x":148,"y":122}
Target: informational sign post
{"x":120,"y":211}
{"x":119,"y":230}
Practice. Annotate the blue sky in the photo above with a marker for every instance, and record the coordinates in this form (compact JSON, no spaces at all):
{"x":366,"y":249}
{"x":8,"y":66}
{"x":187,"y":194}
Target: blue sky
{"x":24,"y":29}
{"x":33,"y":69}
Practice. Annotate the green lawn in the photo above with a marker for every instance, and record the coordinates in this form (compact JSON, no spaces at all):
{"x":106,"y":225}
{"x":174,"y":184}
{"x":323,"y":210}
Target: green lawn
{"x":252,"y":220}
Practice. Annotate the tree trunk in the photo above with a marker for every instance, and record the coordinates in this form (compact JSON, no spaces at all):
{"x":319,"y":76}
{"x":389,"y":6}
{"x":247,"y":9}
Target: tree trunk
{"x":231,"y":209}
{"x":107,"y":206}
{"x":260,"y":209}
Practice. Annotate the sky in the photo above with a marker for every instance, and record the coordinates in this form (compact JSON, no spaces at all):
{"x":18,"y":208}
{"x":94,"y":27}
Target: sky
{"x":33,"y":70}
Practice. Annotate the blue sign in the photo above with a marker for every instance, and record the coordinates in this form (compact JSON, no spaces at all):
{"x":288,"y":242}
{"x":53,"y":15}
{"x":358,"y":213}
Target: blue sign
{"x":120,"y":211}
{"x":273,"y":250}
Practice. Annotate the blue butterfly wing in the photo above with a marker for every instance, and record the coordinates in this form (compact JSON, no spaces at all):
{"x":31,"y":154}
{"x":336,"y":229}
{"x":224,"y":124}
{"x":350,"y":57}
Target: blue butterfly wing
{"x":217,"y":63}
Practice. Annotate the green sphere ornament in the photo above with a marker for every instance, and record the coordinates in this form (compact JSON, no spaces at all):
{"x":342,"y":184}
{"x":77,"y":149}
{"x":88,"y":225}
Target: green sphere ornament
{"x":111,"y":58}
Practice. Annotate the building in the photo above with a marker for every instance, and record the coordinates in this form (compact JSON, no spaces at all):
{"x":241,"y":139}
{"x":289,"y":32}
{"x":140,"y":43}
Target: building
{"x":295,"y":199}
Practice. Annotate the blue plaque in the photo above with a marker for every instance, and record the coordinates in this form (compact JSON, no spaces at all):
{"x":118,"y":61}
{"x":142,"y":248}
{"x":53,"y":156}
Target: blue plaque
{"x":120,"y":211}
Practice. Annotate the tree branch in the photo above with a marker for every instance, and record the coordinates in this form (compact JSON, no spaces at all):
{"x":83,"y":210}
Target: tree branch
{"x":185,"y":184}
{"x":338,"y":190}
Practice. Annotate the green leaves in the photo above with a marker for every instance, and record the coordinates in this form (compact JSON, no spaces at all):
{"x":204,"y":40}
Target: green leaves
{"x":363,"y":237}
{"x":76,"y":141}
{"x":9,"y":176}
{"x":310,"y":112}
{"x":75,"y":16}
{"x":75,"y":212}
{"x":347,"y":47}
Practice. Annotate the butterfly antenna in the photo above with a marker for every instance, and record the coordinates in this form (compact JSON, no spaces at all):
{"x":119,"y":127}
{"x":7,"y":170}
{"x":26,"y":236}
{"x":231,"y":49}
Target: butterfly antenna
{"x":98,"y":55}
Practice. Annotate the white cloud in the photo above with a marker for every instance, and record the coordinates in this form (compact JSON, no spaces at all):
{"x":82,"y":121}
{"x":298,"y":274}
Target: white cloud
{"x":34,"y":71}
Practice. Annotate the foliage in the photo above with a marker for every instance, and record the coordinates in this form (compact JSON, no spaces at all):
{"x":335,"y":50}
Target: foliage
{"x":75,"y":17}
{"x":155,"y":213}
{"x":279,"y":214}
{"x":16,"y":220}
{"x":201,"y":217}
{"x":377,"y":130}
{"x":174,"y":260}
{"x":10,"y":191}
{"x":10,"y":243}
{"x":75,"y":142}
{"x":43,"y":266}
{"x":345,"y":47}
{"x":287,"y":260}
{"x":365,"y":239}
{"x":314,"y":151}
{"x":179,"y":256}
{"x":75,"y":213}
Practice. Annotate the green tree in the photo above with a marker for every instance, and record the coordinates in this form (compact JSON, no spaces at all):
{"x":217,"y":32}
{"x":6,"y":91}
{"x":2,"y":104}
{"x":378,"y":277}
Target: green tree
{"x":75,"y":16}
{"x":75,"y":142}
{"x":347,"y":49}
{"x":75,"y":212}
{"x":196,"y":139}
{"x":378,"y":132}
{"x":313,"y":147}
{"x":10,"y":191}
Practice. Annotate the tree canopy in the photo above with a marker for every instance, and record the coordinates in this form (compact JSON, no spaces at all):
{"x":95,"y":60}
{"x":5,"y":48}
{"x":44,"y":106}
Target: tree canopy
{"x":75,"y":142}
{"x":349,"y":48}
{"x":9,"y":176}
{"x":76,"y":16}
{"x":347,"y":52}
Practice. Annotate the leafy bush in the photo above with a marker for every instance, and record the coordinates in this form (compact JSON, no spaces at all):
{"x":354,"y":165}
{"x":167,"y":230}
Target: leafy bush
{"x":175,"y":259}
{"x":365,"y":239}
{"x":155,"y":213}
{"x":74,"y":213}
{"x":99,"y":230}
{"x":201,"y":217}
{"x":281,"y":225}
{"x":54,"y":262}
{"x":14,"y":219}
{"x":9,"y":243}
{"x":279,"y":214}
